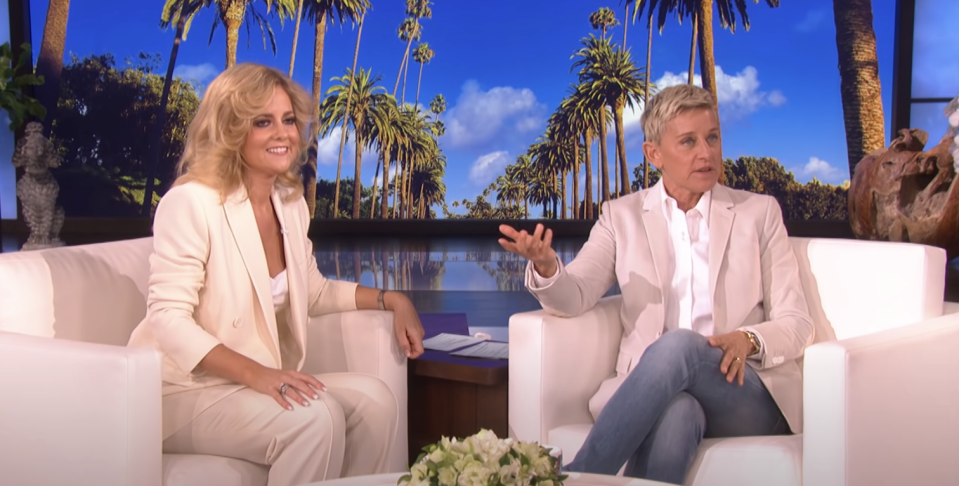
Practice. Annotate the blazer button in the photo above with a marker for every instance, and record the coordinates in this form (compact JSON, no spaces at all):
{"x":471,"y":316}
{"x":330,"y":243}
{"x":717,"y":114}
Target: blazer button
{"x":237,"y":322}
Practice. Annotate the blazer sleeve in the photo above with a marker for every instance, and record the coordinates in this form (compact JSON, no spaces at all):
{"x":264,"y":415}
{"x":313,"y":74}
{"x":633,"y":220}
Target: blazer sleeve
{"x":577,"y":287}
{"x":789,"y":327}
{"x":181,"y":248}
{"x":325,"y":296}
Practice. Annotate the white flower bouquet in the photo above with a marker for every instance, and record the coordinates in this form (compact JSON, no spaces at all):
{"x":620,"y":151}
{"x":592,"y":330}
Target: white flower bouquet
{"x":484,"y":460}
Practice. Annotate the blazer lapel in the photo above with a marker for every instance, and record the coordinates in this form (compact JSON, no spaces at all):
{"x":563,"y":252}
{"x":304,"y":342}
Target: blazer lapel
{"x":239,"y":215}
{"x":720,"y":225}
{"x":657,"y":235}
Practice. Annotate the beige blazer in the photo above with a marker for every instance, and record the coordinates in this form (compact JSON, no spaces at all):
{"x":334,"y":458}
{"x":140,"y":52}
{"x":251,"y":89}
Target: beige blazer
{"x":209,"y":284}
{"x":753,"y":278}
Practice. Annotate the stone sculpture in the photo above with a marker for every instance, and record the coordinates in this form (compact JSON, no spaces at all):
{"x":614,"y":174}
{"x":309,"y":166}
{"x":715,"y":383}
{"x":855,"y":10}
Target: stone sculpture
{"x":37,"y":189}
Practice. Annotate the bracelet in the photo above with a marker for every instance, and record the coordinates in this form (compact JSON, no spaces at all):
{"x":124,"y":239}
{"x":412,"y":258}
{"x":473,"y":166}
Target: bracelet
{"x":379,"y":299}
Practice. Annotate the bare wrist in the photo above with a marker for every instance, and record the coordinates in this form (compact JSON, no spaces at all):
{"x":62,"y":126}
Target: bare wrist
{"x":545,"y":270}
{"x":394,"y":300}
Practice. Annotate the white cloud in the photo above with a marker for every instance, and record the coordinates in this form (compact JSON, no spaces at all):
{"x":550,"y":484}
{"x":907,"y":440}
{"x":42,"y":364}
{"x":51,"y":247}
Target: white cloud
{"x":738,"y":94}
{"x":480,"y":116}
{"x":820,"y":169}
{"x":813,"y":20}
{"x":328,"y":151}
{"x":487,"y":167}
{"x":200,"y":73}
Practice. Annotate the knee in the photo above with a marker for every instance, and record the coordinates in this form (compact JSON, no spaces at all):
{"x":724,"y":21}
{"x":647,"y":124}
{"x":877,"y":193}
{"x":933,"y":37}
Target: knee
{"x":377,"y":399}
{"x":324,"y":417}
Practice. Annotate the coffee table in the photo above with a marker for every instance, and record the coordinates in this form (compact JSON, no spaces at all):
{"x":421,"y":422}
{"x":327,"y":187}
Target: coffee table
{"x":575,"y":479}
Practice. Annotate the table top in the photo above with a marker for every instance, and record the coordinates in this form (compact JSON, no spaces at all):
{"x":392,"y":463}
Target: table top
{"x":439,"y":364}
{"x":575,"y":479}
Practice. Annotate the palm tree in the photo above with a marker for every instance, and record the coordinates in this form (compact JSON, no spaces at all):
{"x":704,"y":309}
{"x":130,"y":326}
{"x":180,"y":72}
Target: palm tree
{"x":608,"y":73}
{"x":388,"y":133}
{"x":859,"y":79}
{"x":411,"y":30}
{"x":319,"y":13}
{"x":649,"y":60}
{"x":180,"y":12}
{"x":365,"y":95}
{"x":296,"y":35}
{"x":50,"y":59}
{"x":230,"y":13}
{"x":423,"y":55}
{"x":603,"y":19}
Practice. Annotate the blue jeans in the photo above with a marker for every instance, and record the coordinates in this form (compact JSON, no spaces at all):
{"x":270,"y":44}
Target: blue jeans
{"x":675,"y":396}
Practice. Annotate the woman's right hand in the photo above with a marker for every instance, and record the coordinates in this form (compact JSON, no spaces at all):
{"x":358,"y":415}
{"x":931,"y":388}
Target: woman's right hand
{"x":300,"y":386}
{"x":534,"y":247}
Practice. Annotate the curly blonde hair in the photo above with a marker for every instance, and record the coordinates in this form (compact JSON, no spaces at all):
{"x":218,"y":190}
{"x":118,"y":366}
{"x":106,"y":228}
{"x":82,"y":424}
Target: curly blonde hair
{"x":670,"y":102}
{"x":212,"y":153}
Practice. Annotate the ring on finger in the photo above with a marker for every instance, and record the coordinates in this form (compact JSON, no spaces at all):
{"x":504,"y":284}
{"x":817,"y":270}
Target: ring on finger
{"x":736,"y":359}
{"x":284,"y":387}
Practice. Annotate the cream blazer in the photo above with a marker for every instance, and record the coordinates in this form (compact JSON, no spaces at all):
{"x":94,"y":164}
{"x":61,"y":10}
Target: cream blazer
{"x":209,"y":285}
{"x":753,"y":278}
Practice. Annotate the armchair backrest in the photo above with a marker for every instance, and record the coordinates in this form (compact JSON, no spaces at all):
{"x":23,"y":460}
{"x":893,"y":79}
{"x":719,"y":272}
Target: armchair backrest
{"x":94,"y":293}
{"x":856,"y":287}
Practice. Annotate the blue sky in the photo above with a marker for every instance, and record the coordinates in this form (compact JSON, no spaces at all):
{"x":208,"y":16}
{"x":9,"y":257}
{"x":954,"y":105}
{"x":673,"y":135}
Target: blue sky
{"x":504,"y":66}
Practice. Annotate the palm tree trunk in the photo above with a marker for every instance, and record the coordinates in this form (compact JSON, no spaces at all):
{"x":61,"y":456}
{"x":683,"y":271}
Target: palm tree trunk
{"x":399,"y":193}
{"x":649,"y":60}
{"x":346,"y":114}
{"x":357,"y":181}
{"x":621,"y":145}
{"x":859,"y":79}
{"x":603,"y":156}
{"x":156,"y":130}
{"x":616,"y":185}
{"x":50,"y":59}
{"x":563,"y":180}
{"x":707,"y":62}
{"x":625,"y":25}
{"x":406,"y":54}
{"x":588,"y":196}
{"x":418,"y":82}
{"x":309,"y":178}
{"x":386,"y":184}
{"x":692,"y":50}
{"x":296,"y":34}
{"x":408,"y":206}
{"x":373,"y":187}
{"x":421,"y":207}
{"x":575,"y":205}
{"x":232,"y":20}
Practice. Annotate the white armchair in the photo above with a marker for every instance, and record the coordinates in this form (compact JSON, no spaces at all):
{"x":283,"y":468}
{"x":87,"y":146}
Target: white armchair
{"x":78,"y":407}
{"x":880,"y":387}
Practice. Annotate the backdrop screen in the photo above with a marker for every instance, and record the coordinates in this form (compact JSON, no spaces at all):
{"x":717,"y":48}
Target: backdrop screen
{"x":490,"y":110}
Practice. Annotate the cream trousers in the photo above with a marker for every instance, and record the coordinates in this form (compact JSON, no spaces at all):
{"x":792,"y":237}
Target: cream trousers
{"x":347,"y":432}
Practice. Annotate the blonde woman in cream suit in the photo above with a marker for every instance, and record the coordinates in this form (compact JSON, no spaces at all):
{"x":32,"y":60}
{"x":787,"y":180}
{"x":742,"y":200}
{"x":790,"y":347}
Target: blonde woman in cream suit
{"x":714,"y":316}
{"x":233,"y":282}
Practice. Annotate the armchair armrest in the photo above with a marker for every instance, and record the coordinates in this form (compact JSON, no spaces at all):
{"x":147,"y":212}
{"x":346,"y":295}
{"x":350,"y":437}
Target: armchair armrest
{"x":362,"y":341}
{"x":78,"y":413}
{"x":557,"y":364}
{"x":880,"y":408}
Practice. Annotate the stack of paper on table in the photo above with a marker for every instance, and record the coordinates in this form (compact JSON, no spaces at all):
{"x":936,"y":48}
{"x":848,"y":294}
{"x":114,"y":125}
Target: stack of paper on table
{"x":475,"y":347}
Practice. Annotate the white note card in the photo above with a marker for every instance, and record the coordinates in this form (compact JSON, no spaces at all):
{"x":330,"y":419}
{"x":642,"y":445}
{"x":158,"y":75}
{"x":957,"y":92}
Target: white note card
{"x":487,"y":349}
{"x":449,"y":342}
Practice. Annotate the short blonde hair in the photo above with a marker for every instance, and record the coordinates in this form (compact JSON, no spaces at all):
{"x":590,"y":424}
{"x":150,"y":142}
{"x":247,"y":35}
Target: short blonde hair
{"x":212,"y":152}
{"x":670,"y":102}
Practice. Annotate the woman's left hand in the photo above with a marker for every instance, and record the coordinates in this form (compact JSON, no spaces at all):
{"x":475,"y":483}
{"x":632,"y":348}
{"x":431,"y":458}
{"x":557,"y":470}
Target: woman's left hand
{"x":736,"y":348}
{"x":407,"y":326}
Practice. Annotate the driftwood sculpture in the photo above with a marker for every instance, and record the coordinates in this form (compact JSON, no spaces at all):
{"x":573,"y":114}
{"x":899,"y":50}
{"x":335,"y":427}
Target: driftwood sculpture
{"x":905,"y":193}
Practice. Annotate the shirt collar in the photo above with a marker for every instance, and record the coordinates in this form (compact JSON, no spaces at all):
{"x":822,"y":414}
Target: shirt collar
{"x":669,"y":202}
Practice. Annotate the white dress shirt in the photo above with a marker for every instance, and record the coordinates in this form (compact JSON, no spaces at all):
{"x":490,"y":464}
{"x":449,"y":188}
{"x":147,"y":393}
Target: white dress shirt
{"x":688,"y":302}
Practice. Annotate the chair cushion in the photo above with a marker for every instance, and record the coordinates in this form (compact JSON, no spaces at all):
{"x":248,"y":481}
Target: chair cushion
{"x":739,"y":461}
{"x":748,"y":461}
{"x":203,"y":470}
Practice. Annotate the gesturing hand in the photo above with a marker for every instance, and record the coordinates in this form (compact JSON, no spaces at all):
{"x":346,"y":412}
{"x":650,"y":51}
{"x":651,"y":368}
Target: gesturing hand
{"x":284,"y":385}
{"x":736,"y":348}
{"x":535,"y":248}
